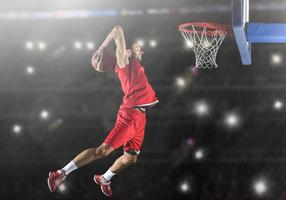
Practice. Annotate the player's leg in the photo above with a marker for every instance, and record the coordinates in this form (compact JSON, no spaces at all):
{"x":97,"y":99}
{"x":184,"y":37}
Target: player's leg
{"x":123,"y":133}
{"x":113,"y":141}
{"x":92,"y":154}
{"x":119,"y":136}
{"x":121,"y":163}
{"x":132,"y":137}
{"x":131,"y":146}
{"x":85,"y":157}
{"x":131,"y":150}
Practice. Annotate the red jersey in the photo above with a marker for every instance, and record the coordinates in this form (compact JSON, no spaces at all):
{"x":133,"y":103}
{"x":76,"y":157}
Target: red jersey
{"x":135,"y":85}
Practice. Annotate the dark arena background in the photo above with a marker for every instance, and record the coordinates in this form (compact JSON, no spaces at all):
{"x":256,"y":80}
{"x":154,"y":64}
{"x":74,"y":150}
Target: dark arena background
{"x":216,"y":134}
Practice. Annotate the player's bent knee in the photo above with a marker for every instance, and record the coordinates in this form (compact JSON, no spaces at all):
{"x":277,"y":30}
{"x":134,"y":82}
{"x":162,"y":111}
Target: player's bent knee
{"x":129,"y":161}
{"x":103,"y":150}
{"x":125,"y":161}
{"x":133,"y":161}
{"x":100,"y":152}
{"x":106,"y":152}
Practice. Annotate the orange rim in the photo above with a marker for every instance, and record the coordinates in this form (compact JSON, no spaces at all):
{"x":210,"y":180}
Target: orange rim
{"x":212,"y":28}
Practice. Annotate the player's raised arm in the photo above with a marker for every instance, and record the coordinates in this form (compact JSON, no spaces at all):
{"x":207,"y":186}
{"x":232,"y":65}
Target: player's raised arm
{"x":121,"y":55}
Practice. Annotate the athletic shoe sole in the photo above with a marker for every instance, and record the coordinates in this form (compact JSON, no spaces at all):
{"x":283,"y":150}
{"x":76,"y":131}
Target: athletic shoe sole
{"x":100,"y":187}
{"x":104,"y":192}
{"x":49,"y":183}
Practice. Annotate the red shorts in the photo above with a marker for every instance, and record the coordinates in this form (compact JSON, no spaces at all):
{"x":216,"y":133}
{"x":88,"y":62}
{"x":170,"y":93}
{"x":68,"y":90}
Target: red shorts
{"x":128,"y":130}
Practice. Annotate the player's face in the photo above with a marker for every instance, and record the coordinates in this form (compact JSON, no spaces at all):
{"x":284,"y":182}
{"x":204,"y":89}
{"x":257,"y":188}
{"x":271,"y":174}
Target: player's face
{"x":137,"y":51}
{"x":129,"y":53}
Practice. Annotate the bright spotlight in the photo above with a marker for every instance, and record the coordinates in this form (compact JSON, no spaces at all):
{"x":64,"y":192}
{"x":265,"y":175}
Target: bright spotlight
{"x":141,"y":42}
{"x":276,"y":59}
{"x":260,"y":187}
{"x":181,"y":82}
{"x":62,"y":188}
{"x":201,"y":108}
{"x":77,"y":45}
{"x":42,"y":45}
{"x":153,"y":43}
{"x":29,"y":45}
{"x":231,"y":120}
{"x":90,"y":45}
{"x":16,"y":128}
{"x":44,"y":114}
{"x":184,"y":187}
{"x":278,"y":105}
{"x":30,"y":70}
{"x":199,"y":154}
{"x":189,"y":44}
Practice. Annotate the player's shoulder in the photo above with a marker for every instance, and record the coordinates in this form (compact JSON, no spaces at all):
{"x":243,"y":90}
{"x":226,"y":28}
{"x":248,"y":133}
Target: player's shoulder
{"x":122,"y":68}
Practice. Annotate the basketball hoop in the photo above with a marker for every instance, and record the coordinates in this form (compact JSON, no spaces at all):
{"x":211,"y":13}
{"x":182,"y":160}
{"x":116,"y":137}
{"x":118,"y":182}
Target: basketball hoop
{"x":205,"y":39}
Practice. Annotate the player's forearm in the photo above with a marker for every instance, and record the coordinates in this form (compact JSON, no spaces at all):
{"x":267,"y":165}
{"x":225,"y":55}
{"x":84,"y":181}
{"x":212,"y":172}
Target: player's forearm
{"x":109,"y":38}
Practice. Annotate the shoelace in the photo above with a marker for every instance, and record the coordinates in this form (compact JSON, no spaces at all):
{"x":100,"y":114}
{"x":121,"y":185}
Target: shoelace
{"x":103,"y":181}
{"x":60,"y":179}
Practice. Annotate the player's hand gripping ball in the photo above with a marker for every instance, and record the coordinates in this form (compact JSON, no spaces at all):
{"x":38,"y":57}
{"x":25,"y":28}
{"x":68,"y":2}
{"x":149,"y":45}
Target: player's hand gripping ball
{"x":103,"y":61}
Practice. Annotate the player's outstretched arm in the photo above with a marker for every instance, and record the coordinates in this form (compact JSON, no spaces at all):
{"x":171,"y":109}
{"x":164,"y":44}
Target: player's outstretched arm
{"x":97,"y":55}
{"x":118,"y":35}
{"x":121,"y":53}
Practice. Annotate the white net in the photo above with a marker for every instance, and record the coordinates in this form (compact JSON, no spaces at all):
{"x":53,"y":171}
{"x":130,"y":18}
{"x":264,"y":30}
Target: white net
{"x":205,"y":44}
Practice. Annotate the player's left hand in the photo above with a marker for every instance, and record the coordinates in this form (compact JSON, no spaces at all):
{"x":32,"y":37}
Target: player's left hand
{"x":97,"y":58}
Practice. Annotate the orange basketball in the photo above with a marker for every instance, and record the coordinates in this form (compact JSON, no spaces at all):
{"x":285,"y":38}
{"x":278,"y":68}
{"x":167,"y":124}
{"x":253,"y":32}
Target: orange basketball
{"x":104,"y":61}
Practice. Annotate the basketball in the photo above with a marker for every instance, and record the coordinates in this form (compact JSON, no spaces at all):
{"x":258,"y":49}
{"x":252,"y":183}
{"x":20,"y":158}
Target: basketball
{"x":104,"y":61}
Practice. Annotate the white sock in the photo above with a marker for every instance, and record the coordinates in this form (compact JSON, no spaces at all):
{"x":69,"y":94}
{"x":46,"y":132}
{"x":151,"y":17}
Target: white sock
{"x":108,"y":175}
{"x":69,"y":167}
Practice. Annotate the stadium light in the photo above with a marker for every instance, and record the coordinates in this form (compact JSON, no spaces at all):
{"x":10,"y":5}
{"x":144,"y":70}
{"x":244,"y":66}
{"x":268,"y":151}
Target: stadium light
{"x":276,"y":59}
{"x":62,"y":188}
{"x":44,"y":114}
{"x":17,"y":128}
{"x":42,"y":45}
{"x":90,"y":45}
{"x":184,"y":187}
{"x":181,"y":82}
{"x":199,"y":154}
{"x":141,"y":42}
{"x":77,"y":45}
{"x":201,"y":108}
{"x":278,"y":105}
{"x":232,"y":120}
{"x":29,"y":45}
{"x":30,"y":70}
{"x":260,"y":187}
{"x":189,"y":44}
{"x":153,"y":43}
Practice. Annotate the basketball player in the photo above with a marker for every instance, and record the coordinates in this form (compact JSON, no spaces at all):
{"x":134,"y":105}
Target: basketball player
{"x":129,"y":128}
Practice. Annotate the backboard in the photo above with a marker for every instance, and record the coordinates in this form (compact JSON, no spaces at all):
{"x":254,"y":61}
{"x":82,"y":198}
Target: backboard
{"x":246,"y":32}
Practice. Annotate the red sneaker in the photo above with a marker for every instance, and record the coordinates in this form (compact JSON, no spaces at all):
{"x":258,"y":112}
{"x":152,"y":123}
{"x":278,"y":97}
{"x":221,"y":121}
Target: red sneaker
{"x":55,"y":179}
{"x":104,"y":185}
